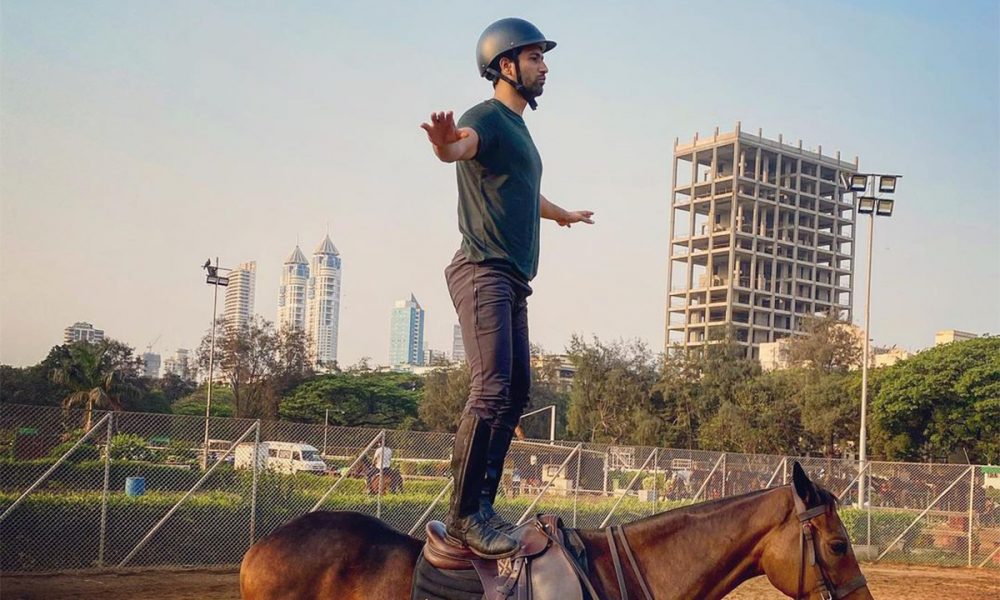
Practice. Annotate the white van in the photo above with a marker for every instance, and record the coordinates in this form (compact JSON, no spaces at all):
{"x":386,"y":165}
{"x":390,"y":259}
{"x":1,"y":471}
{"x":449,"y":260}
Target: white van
{"x":283,"y":457}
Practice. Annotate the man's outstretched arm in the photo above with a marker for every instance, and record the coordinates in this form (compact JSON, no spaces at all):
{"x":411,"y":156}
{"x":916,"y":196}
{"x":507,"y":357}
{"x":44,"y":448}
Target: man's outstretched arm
{"x":450,"y":143}
{"x":564,"y":217}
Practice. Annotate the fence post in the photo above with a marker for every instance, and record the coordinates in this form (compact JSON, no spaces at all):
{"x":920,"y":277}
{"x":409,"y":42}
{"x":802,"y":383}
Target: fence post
{"x":381,"y":478}
{"x":605,"y":471}
{"x":576,"y":488}
{"x":193,"y":489}
{"x":427,"y":512}
{"x":868,"y":494}
{"x":253,"y":486}
{"x":724,"y":463}
{"x":924,"y":512}
{"x":972,"y":489}
{"x":656,"y":489}
{"x":774,"y":475}
{"x":625,"y":491}
{"x":54,"y":466}
{"x":548,"y":485}
{"x":104,"y":493}
{"x":784,"y":471}
{"x":707,"y":479}
{"x":326,"y":426}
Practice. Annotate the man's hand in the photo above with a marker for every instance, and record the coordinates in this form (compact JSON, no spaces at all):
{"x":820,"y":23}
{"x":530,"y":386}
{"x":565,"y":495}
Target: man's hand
{"x":575,"y":216}
{"x":450,"y":143}
{"x":442,"y":129}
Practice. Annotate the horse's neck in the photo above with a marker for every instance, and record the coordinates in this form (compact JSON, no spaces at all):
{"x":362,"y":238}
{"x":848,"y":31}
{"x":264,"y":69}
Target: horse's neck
{"x":704,"y":551}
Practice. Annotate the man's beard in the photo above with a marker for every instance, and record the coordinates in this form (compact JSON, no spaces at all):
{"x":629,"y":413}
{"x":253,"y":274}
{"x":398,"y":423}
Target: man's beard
{"x":534,"y":90}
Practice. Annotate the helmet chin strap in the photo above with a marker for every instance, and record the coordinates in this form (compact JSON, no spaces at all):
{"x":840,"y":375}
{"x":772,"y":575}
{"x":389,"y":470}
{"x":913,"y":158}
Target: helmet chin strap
{"x":517,"y":85}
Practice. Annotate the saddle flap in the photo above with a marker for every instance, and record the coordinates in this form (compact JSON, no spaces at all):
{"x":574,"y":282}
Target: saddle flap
{"x":440,"y":553}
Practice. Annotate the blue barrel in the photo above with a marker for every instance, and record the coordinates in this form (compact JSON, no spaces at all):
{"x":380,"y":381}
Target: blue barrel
{"x":135,"y":486}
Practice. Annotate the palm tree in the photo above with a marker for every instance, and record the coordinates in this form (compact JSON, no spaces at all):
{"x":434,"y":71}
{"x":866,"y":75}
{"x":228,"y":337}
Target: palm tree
{"x":95,"y":379}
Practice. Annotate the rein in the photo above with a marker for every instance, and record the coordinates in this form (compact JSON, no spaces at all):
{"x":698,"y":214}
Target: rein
{"x":807,"y":550}
{"x":611,"y":531}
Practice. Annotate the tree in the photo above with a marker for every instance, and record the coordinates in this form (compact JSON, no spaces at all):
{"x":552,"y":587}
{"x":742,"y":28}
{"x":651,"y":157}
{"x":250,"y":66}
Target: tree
{"x":356,"y":400}
{"x":444,"y":396}
{"x":943,"y":399}
{"x":827,"y":344}
{"x":102,"y":375}
{"x":610,"y":400}
{"x":759,"y":418}
{"x":34,"y":385}
{"x":694,"y":385}
{"x":831,"y":408}
{"x":258,"y":363}
{"x":194,"y":403}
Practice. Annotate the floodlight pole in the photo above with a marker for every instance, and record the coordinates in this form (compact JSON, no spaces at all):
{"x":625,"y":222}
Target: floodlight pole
{"x":213,"y":273}
{"x":876,"y":180}
{"x":863,"y":441}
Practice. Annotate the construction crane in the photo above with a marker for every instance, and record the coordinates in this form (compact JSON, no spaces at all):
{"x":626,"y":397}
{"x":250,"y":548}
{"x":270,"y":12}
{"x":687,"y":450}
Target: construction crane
{"x":149,"y":346}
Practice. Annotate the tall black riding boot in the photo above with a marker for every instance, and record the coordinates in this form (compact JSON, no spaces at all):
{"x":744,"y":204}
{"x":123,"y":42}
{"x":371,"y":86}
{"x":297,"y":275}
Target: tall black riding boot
{"x":496,"y":453}
{"x":468,"y":464}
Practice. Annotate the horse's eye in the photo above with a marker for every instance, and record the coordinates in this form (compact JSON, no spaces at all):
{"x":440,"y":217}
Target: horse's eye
{"x":838,"y":547}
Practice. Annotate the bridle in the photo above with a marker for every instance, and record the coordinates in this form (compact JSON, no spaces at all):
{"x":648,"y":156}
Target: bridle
{"x":807,"y":550}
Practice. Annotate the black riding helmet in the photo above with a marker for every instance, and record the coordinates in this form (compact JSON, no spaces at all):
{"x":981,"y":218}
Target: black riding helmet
{"x":506,"y":37}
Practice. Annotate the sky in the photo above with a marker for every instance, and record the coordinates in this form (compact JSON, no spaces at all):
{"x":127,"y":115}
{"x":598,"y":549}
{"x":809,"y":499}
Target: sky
{"x":139,"y":138}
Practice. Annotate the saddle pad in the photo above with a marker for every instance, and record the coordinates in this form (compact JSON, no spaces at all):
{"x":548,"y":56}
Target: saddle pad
{"x":430,"y":583}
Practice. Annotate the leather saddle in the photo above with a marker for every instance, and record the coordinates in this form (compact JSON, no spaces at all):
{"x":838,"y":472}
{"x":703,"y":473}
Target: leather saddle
{"x":542,"y":568}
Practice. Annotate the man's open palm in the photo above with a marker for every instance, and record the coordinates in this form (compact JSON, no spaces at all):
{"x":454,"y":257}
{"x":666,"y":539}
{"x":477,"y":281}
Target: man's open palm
{"x":442,"y":130}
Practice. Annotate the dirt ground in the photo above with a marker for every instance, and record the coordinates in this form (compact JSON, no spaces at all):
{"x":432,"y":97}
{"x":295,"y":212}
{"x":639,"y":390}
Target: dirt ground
{"x":885,"y":582}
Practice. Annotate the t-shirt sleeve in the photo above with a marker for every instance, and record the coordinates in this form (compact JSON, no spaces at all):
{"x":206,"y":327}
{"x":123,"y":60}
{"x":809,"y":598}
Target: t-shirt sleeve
{"x":480,"y":119}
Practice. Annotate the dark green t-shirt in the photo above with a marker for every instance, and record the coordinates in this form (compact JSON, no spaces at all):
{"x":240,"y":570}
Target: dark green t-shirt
{"x":498,"y":190}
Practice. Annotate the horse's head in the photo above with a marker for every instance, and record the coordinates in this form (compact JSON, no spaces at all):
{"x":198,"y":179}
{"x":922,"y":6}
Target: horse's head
{"x":361,"y":468}
{"x":810,"y":555}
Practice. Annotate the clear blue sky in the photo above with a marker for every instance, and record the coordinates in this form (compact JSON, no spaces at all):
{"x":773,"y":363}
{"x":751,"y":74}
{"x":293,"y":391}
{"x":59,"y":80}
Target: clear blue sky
{"x":139,"y":138}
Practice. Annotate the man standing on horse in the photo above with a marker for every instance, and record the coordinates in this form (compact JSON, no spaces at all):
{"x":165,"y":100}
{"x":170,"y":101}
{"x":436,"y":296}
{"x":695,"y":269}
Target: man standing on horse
{"x":499,"y":210}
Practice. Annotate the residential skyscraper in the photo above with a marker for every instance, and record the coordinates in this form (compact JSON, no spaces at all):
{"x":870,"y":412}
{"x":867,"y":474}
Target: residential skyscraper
{"x":151,"y":365}
{"x":406,"y":341}
{"x":457,"y":346}
{"x":293,"y":292}
{"x":323,"y":303}
{"x":240,"y":294}
{"x":181,"y":364}
{"x":82,"y":332}
{"x":761,"y":235}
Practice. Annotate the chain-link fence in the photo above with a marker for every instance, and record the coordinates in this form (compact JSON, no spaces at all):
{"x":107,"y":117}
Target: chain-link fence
{"x":81,"y":489}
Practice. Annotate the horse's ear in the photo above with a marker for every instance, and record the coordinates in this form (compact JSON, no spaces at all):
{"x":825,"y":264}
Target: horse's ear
{"x":804,"y":489}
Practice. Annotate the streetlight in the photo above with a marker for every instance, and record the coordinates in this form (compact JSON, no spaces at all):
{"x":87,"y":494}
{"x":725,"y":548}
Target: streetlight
{"x":213,"y":279}
{"x":872,"y":206}
{"x":552,"y":423}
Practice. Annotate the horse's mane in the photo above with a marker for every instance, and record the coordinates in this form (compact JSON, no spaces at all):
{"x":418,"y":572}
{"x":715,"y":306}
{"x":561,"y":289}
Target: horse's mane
{"x":825,"y":498}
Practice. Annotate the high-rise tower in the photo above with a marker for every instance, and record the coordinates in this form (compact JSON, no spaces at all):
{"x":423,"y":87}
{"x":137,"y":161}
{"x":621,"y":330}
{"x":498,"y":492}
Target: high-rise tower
{"x":406,"y":342}
{"x":292,"y":294}
{"x":323,"y":303}
{"x":240,"y":294}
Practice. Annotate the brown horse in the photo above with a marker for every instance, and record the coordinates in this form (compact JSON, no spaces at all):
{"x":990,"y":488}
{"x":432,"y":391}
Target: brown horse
{"x":391,"y":481}
{"x":701,"y":551}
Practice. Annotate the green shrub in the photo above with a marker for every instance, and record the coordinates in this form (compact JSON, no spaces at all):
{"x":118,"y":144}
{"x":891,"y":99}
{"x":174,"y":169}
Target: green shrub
{"x":886,"y":526}
{"x":83,"y":453}
{"x":128,"y":446}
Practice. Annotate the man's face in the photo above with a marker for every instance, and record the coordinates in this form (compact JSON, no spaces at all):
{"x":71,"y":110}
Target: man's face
{"x":533,"y":69}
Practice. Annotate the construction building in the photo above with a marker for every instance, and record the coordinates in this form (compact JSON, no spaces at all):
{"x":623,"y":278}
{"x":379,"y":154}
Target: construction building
{"x":761,"y":234}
